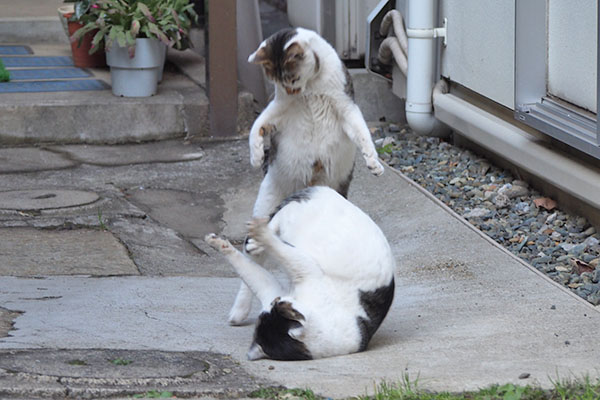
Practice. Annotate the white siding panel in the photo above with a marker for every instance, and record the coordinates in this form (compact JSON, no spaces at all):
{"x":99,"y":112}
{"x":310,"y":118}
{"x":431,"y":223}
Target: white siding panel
{"x":572,"y":51}
{"x":481,"y":47}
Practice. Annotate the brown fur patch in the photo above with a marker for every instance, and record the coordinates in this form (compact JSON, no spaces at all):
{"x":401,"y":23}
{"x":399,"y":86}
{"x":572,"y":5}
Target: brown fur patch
{"x":294,"y":53}
{"x":261,"y":56}
{"x":317,"y":169}
{"x":287,"y":311}
{"x":266,"y":129}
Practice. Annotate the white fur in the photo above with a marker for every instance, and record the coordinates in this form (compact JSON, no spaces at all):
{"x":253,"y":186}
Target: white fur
{"x":320,"y":123}
{"x":331,"y":250}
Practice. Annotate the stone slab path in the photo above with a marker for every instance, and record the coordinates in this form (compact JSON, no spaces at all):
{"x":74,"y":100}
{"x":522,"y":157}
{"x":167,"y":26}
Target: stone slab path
{"x":466,"y":314}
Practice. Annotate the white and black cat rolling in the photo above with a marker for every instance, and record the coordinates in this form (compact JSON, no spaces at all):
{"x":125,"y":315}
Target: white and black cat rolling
{"x":341,"y":272}
{"x":312,"y":124}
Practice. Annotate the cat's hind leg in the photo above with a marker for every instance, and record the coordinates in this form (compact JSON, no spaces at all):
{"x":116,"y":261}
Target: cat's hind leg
{"x":241,"y":305}
{"x":269,"y":197}
{"x":297,"y":263}
{"x":266,"y":202}
{"x":259,"y":281}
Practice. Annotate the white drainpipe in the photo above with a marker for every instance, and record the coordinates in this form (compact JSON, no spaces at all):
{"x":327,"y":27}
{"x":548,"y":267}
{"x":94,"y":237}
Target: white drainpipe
{"x":421,"y":33}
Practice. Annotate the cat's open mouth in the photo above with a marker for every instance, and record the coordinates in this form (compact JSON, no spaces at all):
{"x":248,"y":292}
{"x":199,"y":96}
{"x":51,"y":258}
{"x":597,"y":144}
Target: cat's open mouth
{"x":292,"y":90}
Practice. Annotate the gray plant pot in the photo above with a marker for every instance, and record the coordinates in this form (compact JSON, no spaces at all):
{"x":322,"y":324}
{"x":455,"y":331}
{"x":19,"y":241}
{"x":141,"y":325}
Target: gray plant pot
{"x":162,"y":63}
{"x":137,"y":76}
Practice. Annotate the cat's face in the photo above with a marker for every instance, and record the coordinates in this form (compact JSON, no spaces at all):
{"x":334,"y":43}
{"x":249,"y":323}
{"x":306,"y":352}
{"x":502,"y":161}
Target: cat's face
{"x":278,"y":334}
{"x":287,"y":60}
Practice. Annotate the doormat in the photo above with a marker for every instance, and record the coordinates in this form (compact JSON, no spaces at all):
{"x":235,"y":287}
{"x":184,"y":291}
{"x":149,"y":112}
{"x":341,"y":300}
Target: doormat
{"x":6,"y":50}
{"x":53,"y":86}
{"x":51,"y":73}
{"x":34,"y":61}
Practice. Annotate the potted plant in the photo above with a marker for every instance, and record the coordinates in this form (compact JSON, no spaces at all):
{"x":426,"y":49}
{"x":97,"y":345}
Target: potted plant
{"x":135,"y":34}
{"x":66,"y":9}
{"x":81,"y":45}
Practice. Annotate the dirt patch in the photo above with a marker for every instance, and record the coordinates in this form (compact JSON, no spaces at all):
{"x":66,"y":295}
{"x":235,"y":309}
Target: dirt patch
{"x":450,"y":268}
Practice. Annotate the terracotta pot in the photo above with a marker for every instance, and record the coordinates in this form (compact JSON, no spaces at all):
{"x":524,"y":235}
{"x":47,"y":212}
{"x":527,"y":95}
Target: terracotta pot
{"x":81,"y":56}
{"x":62,"y":12}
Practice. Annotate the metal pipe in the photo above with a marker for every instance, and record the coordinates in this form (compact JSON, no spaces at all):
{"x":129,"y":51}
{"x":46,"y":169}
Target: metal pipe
{"x":420,"y":79}
{"x":394,"y":18}
{"x":390,"y":48}
{"x":519,"y":147}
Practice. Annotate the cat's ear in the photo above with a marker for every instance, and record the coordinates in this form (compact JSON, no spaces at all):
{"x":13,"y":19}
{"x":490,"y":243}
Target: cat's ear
{"x":285,"y":309}
{"x":297,"y":333}
{"x":294,"y":52}
{"x":260,"y":56}
{"x":256,"y":352}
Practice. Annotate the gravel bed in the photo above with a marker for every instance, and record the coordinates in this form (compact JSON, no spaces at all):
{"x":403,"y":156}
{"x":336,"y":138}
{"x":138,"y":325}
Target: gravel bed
{"x":565,"y":247}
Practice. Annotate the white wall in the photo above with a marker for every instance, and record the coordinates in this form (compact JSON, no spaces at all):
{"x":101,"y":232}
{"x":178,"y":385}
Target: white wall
{"x":480,"y":51}
{"x":481,"y":47}
{"x":572,"y":51}
{"x":349,"y":32}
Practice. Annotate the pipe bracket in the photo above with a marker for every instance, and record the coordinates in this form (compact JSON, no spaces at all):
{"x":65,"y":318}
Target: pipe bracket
{"x":430,"y":33}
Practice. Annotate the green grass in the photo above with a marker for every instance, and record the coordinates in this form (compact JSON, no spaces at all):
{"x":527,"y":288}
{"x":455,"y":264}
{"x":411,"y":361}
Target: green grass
{"x":284,"y":394}
{"x":581,"y":389}
{"x":120,"y":361}
{"x":387,"y":149}
{"x":101,"y":221}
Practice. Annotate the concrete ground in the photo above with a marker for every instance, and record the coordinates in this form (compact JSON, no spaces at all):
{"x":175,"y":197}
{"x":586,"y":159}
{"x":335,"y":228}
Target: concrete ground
{"x":107,"y":288}
{"x":126,"y":276}
{"x":179,"y":109}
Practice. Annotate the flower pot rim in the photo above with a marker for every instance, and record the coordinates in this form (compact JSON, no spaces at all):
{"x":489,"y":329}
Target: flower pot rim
{"x":66,"y":9}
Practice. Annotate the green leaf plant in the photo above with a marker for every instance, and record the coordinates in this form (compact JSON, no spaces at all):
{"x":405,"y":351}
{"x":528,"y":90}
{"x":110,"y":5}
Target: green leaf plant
{"x":4,"y":74}
{"x":123,"y":21}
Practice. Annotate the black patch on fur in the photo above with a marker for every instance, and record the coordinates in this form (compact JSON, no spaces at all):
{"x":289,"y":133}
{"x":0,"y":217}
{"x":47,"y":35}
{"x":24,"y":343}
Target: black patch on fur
{"x":376,"y":305}
{"x":300,"y":196}
{"x":271,"y":334}
{"x":349,"y":87}
{"x":275,"y":44}
{"x":345,"y":184}
{"x":271,"y":152}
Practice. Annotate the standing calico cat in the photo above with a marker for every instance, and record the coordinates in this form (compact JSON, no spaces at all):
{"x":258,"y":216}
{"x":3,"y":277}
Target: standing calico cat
{"x":313,"y":126}
{"x":342,"y":277}
{"x":313,"y":123}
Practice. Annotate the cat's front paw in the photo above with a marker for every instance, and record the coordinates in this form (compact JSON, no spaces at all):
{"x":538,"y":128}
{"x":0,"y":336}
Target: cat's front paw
{"x":257,"y":150}
{"x":258,"y":230}
{"x":257,"y":157}
{"x":221,"y":245}
{"x":257,"y":143}
{"x":374,"y":166}
{"x":252,"y":247}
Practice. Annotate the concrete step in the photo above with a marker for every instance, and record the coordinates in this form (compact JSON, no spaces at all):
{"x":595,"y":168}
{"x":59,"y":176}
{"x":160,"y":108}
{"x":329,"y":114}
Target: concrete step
{"x":179,"y":109}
